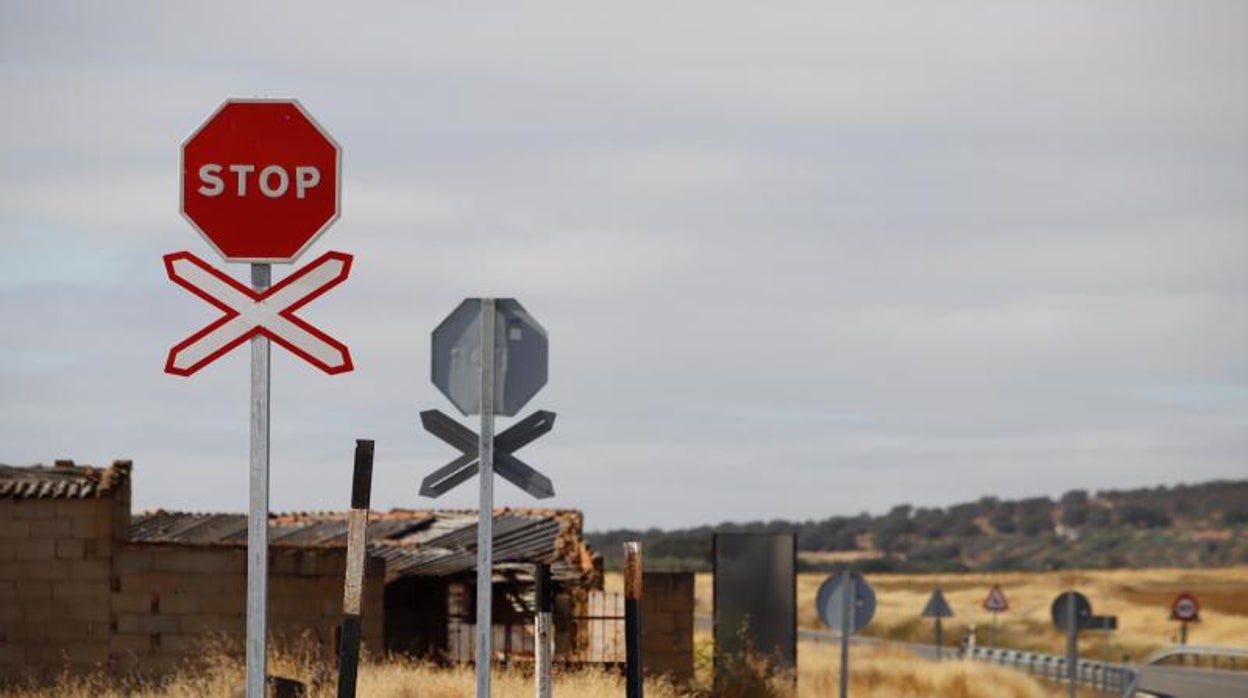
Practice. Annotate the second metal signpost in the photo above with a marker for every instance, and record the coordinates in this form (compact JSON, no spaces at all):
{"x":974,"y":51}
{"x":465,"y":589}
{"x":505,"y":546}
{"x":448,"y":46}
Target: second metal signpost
{"x":484,"y":373}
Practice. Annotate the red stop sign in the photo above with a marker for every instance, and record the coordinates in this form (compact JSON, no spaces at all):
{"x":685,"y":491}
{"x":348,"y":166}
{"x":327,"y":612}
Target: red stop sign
{"x":260,"y":180}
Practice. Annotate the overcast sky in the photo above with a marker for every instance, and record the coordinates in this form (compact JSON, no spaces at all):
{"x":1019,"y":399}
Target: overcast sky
{"x":794,"y":260}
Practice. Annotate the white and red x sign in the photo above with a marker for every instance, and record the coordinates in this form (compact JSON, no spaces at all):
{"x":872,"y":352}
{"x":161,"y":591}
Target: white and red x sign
{"x":247,"y":313}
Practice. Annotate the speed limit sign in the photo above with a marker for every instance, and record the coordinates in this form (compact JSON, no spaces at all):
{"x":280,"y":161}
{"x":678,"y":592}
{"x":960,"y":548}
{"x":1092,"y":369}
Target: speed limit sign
{"x":1185,"y":609}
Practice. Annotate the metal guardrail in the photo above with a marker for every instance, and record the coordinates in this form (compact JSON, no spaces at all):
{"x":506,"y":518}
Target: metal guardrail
{"x":1234,"y":655}
{"x":1103,"y":676}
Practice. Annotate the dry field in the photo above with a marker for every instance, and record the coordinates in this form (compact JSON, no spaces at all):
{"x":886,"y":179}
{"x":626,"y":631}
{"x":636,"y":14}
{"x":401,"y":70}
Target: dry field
{"x":875,"y":674}
{"x":1140,"y":598}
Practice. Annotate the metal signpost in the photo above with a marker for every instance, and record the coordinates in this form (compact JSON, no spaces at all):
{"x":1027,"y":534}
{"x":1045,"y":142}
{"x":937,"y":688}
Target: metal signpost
{"x":489,"y":357}
{"x":938,"y":609}
{"x":1071,"y":613}
{"x":260,"y":182}
{"x":846,"y":603}
{"x":1185,"y":609}
{"x":994,"y":604}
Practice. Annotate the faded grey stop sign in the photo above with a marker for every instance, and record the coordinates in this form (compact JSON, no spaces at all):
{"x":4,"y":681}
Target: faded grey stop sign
{"x":520,"y":356}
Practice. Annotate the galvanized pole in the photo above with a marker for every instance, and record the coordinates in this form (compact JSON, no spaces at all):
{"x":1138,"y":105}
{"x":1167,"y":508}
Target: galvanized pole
{"x":847,"y":622}
{"x":353,"y":587}
{"x":258,"y":512}
{"x":543,"y":630}
{"x":1072,"y":641}
{"x":994,"y":629}
{"x":485,"y":519}
{"x":633,"y":593}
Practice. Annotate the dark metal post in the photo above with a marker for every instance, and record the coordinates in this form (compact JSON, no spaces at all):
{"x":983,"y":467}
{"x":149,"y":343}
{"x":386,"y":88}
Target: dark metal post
{"x":544,"y":630}
{"x":632,"y":619}
{"x":940,"y":641}
{"x":357,"y":527}
{"x":1072,"y":641}
{"x":994,"y":629}
{"x":847,"y":624}
{"x":1183,"y":633}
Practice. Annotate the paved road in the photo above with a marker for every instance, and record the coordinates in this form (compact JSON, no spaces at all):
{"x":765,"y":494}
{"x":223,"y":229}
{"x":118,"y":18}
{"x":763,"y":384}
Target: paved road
{"x":1182,"y":682}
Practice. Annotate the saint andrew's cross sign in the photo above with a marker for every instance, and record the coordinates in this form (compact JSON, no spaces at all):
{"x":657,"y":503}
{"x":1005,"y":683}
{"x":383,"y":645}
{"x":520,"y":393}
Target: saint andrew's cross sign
{"x":248,"y":313}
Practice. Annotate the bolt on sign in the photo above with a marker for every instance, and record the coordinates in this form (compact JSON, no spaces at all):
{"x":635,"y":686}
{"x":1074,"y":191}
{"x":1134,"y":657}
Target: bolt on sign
{"x":260,"y":181}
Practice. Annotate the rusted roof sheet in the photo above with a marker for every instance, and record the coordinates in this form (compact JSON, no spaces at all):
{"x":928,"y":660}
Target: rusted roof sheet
{"x":62,"y":481}
{"x":413,"y":543}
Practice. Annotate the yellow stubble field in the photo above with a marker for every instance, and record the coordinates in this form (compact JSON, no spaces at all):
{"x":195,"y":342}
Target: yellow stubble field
{"x":1139,"y":598}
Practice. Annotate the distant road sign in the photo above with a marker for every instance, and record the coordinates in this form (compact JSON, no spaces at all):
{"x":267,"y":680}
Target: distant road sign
{"x":830,"y":601}
{"x":1185,"y":608}
{"x":936,"y":606}
{"x":1083,"y":610}
{"x":247,"y":313}
{"x":520,"y":357}
{"x":1101,"y":623}
{"x":996,"y":601}
{"x":260,"y":180}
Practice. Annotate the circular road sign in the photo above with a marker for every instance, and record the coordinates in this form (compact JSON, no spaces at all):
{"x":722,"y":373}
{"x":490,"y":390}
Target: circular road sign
{"x":1060,"y":610}
{"x":830,"y":601}
{"x":260,"y":180}
{"x":1185,"y":608}
{"x":520,"y":356}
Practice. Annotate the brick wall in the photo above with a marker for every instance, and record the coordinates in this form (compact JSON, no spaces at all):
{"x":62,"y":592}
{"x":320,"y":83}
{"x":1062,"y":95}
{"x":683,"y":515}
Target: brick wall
{"x":171,"y":603}
{"x":54,"y":584}
{"x":667,"y":625}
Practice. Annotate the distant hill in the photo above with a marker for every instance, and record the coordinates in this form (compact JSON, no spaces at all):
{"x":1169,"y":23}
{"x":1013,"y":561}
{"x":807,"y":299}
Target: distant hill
{"x":1204,"y":525}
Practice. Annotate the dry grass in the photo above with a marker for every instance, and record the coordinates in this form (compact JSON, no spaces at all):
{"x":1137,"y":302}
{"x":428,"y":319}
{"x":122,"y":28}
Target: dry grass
{"x":1140,"y":599}
{"x":875,"y":673}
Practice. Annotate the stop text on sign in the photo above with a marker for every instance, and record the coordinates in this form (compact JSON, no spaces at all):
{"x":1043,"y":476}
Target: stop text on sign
{"x":260,"y":180}
{"x":273,"y":181}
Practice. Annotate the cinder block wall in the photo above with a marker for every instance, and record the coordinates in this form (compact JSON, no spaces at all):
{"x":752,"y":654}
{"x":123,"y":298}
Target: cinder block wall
{"x":171,"y":603}
{"x":667,"y":625}
{"x":54,"y":583}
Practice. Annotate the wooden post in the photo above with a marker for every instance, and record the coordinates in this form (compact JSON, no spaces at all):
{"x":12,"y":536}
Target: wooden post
{"x":543,"y":629}
{"x":357,"y":527}
{"x":632,"y":619}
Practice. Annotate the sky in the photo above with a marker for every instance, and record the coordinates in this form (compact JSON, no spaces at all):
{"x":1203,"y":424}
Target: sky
{"x":794,"y":260}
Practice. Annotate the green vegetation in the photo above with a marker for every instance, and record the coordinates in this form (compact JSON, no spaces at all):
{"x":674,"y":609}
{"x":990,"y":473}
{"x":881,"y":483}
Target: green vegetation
{"x":1200,"y":525}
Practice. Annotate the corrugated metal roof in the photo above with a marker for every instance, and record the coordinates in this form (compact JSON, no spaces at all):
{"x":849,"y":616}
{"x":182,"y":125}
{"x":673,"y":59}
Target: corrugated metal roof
{"x":61,"y":481}
{"x":413,"y":543}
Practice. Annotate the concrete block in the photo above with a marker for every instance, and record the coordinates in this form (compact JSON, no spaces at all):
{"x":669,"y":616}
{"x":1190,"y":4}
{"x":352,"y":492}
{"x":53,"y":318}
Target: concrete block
{"x":126,"y":622}
{"x":31,"y":549}
{"x":132,"y":644}
{"x":33,"y":590}
{"x":128,"y":561}
{"x":132,"y":601}
{"x":90,"y":570}
{"x":48,"y":571}
{"x":158,"y":623}
{"x":43,"y":611}
{"x":87,"y":653}
{"x":70,"y":549}
{"x":13,"y":528}
{"x":97,"y":591}
{"x":88,"y":526}
{"x":180,"y":604}
{"x":88,"y":611}
{"x":50,"y":528}
{"x":209,"y":623}
{"x":34,"y":509}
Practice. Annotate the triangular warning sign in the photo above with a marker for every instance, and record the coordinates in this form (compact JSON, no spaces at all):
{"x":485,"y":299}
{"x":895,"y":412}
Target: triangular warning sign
{"x":937,"y":607}
{"x":996,"y":601}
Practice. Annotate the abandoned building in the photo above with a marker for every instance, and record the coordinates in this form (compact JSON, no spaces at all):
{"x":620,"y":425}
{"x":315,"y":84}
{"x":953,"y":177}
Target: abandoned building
{"x":85,"y":585}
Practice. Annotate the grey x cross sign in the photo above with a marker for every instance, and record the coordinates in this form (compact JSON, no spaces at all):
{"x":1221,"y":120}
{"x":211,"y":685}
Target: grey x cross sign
{"x":512,"y":469}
